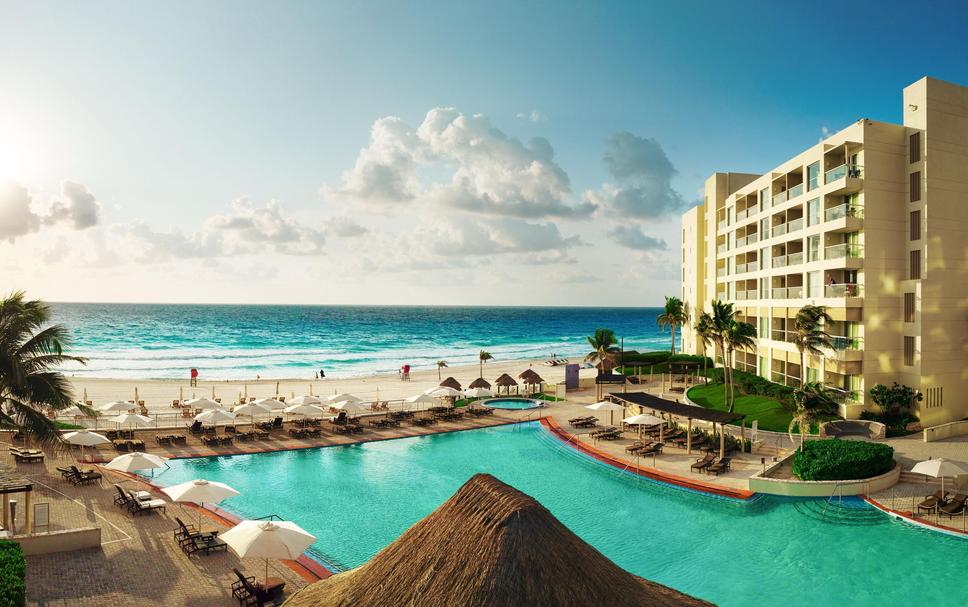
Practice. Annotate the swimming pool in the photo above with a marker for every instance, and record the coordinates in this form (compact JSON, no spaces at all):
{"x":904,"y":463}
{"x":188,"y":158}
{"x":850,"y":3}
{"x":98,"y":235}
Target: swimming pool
{"x":357,"y":499}
{"x":518,"y":404}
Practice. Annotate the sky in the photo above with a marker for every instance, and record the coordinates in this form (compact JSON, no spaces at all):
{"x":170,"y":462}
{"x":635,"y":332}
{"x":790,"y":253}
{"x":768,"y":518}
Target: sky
{"x":418,"y":153}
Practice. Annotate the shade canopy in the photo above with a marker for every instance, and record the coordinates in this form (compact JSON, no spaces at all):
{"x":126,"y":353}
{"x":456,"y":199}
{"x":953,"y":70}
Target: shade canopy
{"x":505,"y":381}
{"x":85,"y":438}
{"x":117,"y":405}
{"x":131,"y":462}
{"x":478,"y":393}
{"x":450,"y":382}
{"x":268,"y":539}
{"x":271,"y":403}
{"x":442,"y":391}
{"x":651,"y":401}
{"x":215,"y":416}
{"x":304,"y":400}
{"x":200,"y":491}
{"x":349,"y":406}
{"x":605,"y":406}
{"x":203,"y":403}
{"x":529,"y":376}
{"x":425,"y":399}
{"x":305,"y":409}
{"x":252,"y":409}
{"x":131,"y":419}
{"x":343,"y":397}
{"x":480,"y":382}
{"x":643,"y":419}
{"x":940,"y":467}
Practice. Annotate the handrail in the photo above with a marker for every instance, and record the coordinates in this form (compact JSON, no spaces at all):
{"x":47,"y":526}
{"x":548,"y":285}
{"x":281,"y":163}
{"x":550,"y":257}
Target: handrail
{"x":839,"y":486}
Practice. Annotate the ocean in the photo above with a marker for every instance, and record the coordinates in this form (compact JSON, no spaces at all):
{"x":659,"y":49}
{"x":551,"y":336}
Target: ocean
{"x":156,"y":341}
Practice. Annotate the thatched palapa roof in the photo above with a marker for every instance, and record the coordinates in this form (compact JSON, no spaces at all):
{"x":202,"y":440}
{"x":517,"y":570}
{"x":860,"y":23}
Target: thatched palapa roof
{"x":505,"y":381}
{"x":480,"y":382}
{"x":489,"y":545}
{"x":450,"y":382}
{"x":529,"y":376}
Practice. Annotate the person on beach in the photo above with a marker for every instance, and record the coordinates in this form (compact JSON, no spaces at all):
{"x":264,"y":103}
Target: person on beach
{"x":315,"y":375}
{"x":321,"y":374}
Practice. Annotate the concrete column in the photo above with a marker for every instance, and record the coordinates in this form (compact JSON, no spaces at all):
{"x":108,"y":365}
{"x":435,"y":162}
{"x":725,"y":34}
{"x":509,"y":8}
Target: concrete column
{"x":28,"y":514}
{"x":722,"y":441}
{"x":6,"y":511}
{"x":689,"y":438}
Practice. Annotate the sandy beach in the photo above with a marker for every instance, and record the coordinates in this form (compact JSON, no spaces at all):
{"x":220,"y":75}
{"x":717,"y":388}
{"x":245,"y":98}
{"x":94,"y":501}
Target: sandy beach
{"x":158,"y":393}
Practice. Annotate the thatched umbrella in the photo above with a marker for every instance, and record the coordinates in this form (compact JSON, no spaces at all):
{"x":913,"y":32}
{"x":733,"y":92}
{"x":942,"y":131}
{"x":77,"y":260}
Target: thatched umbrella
{"x":530,"y":378}
{"x":450,"y":382}
{"x":480,"y":382}
{"x":505,"y":381}
{"x":488,"y":545}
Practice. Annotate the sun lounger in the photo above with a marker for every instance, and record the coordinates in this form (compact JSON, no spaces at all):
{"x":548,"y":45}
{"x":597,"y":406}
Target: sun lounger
{"x":139,"y":506}
{"x":954,"y":506}
{"x":204,"y":544}
{"x":184,"y":533}
{"x":249,"y":592}
{"x":703,"y":463}
{"x":931,"y":502}
{"x":123,"y":497}
{"x":649,"y":449}
{"x":719,"y":467}
{"x":82,"y":477}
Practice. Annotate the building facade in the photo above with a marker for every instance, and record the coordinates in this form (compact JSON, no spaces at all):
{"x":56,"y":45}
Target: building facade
{"x":872,"y":222}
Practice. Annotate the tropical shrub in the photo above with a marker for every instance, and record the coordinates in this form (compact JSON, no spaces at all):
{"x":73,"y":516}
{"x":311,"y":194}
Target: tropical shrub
{"x":13,"y":568}
{"x":748,"y":383}
{"x":837,"y":460}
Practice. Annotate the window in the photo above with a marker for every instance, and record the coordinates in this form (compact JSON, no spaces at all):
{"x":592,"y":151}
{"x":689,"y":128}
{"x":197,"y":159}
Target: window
{"x":764,"y":330}
{"x":914,"y":147}
{"x":813,"y":375}
{"x":908,"y":351}
{"x":814,"y":285}
{"x":813,"y":212}
{"x":909,"y":307}
{"x":915,"y":225}
{"x":764,"y":199}
{"x":764,"y":258}
{"x":915,"y":186}
{"x":934,"y":397}
{"x":764,"y":228}
{"x":813,"y":248}
{"x":915,"y":265}
{"x":813,"y":176}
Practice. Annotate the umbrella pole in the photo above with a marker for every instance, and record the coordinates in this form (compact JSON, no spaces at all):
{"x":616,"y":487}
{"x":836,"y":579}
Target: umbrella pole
{"x":267,"y":573}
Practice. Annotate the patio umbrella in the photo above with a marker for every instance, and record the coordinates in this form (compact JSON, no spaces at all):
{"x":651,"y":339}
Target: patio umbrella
{"x":85,"y":438}
{"x":304,"y":410}
{"x":131,"y":419}
{"x":130,"y":462}
{"x":478,"y":393}
{"x":505,"y":381}
{"x":337,"y":398}
{"x":421,"y":399}
{"x":200,"y":491}
{"x":305,"y":400}
{"x":271,"y":403}
{"x":72,"y":411}
{"x":215,"y":416}
{"x":940,"y":468}
{"x":117,"y":405}
{"x":606,"y":406}
{"x":442,"y":392}
{"x":643,"y":419}
{"x":267,"y":540}
{"x":204,"y":404}
{"x":252,"y":409}
{"x":349,"y":407}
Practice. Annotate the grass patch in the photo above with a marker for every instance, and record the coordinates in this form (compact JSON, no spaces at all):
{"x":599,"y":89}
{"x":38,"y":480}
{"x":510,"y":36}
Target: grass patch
{"x":770,"y":412}
{"x":66,"y":426}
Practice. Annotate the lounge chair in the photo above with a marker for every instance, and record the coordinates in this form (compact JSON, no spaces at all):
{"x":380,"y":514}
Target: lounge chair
{"x":81,"y":477}
{"x":651,"y":448}
{"x":123,"y":497}
{"x":931,"y":502}
{"x":705,"y":462}
{"x":719,"y":467}
{"x":184,"y":532}
{"x":955,"y":505}
{"x":203,"y":544}
{"x":139,"y":506}
{"x":250,"y":592}
{"x":196,"y":427}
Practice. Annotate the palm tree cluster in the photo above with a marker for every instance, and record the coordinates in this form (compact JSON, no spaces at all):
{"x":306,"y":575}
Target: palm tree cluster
{"x":813,"y":403}
{"x":31,"y":351}
{"x":809,"y":336}
{"x":722,"y":329}
{"x":673,"y":316}
{"x":604,"y":354}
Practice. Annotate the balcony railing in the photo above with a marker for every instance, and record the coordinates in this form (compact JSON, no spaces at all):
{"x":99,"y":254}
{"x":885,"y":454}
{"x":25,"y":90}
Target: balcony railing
{"x":787,"y":292}
{"x":781,"y":335}
{"x":796,"y":224}
{"x":722,"y":224}
{"x":721,"y":248}
{"x":845,"y":396}
{"x":741,"y":295}
{"x":794,"y":191}
{"x":841,"y":342}
{"x":841,"y":211}
{"x":840,"y":251}
{"x":844,"y":170}
{"x":720,"y":271}
{"x":748,"y":239}
{"x":780,"y":229}
{"x":751,"y":266}
{"x":780,"y":198}
{"x":740,"y":215}
{"x":847,"y":289}
{"x":788,"y":380}
{"x":791,"y":259}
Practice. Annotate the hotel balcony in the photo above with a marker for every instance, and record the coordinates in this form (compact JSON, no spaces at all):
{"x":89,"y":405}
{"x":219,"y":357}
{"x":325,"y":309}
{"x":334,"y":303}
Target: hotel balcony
{"x":787,"y":292}
{"x":845,"y":178}
{"x":846,"y":348}
{"x":792,"y":259}
{"x":788,"y":227}
{"x":851,"y":254}
{"x":751,"y":266}
{"x":841,"y":291}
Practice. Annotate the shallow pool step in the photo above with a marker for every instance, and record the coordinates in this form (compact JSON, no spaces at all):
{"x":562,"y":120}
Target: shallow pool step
{"x":851,"y":512}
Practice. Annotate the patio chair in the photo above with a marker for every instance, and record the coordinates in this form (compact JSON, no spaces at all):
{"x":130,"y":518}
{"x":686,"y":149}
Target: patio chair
{"x":931,"y":502}
{"x":719,"y":467}
{"x":203,"y":544}
{"x":140,"y":506}
{"x":703,"y":463}
{"x":185,"y":532}
{"x":122,"y":498}
{"x":196,"y":427}
{"x":955,"y":505}
{"x":250,"y":592}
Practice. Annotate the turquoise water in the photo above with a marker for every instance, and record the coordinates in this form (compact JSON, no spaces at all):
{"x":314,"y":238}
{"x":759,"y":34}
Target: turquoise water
{"x":357,"y":499}
{"x":240,"y":342}
{"x":512,"y":403}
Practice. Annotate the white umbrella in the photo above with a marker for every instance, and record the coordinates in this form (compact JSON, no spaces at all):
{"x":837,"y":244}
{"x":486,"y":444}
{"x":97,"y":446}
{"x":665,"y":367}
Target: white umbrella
{"x":215,"y":416}
{"x":131,"y":419}
{"x":273,"y":404}
{"x":477,"y":393}
{"x":940,"y":467}
{"x":606,"y":406}
{"x":643,"y":419}
{"x":129,"y":462}
{"x":204,"y":404}
{"x":200,"y":491}
{"x":268,"y":540}
{"x":251,"y":409}
{"x":305,"y":400}
{"x":304,"y":410}
{"x":85,"y":438}
{"x":442,"y":391}
{"x":421,"y":399}
{"x":72,"y":411}
{"x":349,"y":407}
{"x":338,"y":398}
{"x":117,"y":405}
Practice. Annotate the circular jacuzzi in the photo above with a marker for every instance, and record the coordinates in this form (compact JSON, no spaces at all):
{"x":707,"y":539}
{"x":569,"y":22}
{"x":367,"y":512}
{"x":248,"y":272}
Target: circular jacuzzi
{"x":511,"y":403}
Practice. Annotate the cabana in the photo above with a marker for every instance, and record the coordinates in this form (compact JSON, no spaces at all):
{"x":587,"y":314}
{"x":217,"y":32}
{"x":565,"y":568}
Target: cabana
{"x":450,"y":382}
{"x":12,"y":483}
{"x":506,"y":381}
{"x":480,"y":382}
{"x":531,"y":379}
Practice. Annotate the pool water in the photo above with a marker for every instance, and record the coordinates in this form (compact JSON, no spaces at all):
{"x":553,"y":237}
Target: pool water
{"x":768,"y":551}
{"x":512,"y":403}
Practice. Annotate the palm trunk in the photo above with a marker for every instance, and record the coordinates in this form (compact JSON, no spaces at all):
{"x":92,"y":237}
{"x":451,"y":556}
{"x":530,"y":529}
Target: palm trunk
{"x":803,"y":368}
{"x":673,"y":331}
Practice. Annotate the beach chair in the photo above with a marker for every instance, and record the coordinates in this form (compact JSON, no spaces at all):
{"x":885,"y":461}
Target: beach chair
{"x":931,"y":502}
{"x":277,"y":423}
{"x":196,"y":427}
{"x":123,"y":497}
{"x":719,"y":467}
{"x":703,"y":463}
{"x":140,"y":506}
{"x":250,"y":592}
{"x":82,"y":477}
{"x":954,"y":506}
{"x":203,"y":544}
{"x":183,"y":533}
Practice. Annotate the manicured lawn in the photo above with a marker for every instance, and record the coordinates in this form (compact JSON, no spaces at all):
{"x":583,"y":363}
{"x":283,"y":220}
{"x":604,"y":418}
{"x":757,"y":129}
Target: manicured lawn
{"x":769,"y":412}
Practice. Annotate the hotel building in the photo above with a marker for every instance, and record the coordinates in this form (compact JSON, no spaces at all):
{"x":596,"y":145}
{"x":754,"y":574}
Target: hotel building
{"x":872,"y":222}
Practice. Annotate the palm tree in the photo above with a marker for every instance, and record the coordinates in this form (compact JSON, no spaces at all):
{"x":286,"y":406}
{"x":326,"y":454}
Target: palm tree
{"x":813,"y":402}
{"x":809,"y":336}
{"x":739,"y":336}
{"x":704,"y":330}
{"x":603,"y":349}
{"x":440,"y":365}
{"x":30,"y":351}
{"x":673,"y":317}
{"x":722,"y":317}
{"x":483,"y":357}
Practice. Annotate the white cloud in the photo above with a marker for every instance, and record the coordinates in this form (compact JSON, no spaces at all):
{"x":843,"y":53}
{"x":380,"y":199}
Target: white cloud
{"x":490,"y":172}
{"x":345,"y":227}
{"x":16,"y":216}
{"x":248,"y":228}
{"x":532,"y":116}
{"x":643,"y":179}
{"x":78,"y":209}
{"x":632,"y":237}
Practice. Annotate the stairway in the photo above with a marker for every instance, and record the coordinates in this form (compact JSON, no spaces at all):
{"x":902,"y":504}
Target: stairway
{"x":849,"y":511}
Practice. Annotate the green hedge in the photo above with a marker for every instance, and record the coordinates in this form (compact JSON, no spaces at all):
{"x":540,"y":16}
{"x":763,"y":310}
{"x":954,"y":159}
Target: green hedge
{"x":13,"y":568}
{"x":748,"y":383}
{"x":840,"y":460}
